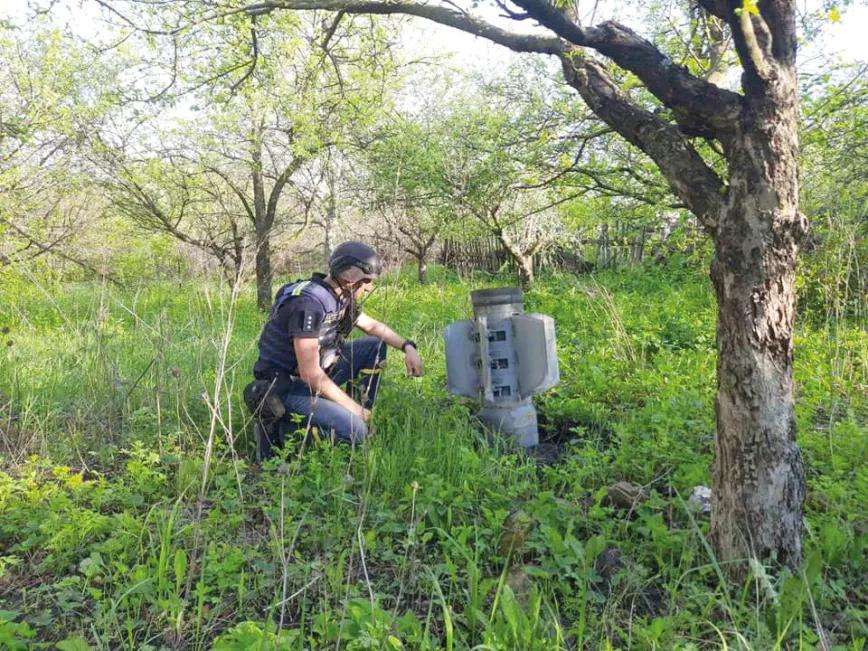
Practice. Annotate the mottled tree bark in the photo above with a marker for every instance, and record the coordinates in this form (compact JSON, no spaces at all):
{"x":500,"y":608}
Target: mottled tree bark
{"x":525,"y":271}
{"x":523,"y":259}
{"x":264,"y":274}
{"x":759,"y":484}
{"x":262,"y":228}
{"x":421,"y":241}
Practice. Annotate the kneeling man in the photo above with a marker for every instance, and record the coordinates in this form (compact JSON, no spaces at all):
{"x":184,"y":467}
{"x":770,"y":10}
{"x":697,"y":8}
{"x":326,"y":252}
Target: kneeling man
{"x":304,"y":361}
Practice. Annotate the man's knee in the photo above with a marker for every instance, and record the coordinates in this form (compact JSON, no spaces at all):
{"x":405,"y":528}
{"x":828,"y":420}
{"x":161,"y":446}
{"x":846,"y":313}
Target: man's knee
{"x":353,"y":431}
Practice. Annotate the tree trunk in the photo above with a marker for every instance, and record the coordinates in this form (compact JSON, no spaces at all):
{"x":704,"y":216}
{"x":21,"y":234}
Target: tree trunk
{"x":262,"y":226}
{"x":758,"y":483}
{"x":422,"y":269}
{"x":263,"y":220}
{"x":327,"y":245}
{"x":329,"y":220}
{"x":238,"y":253}
{"x":603,"y":258}
{"x":525,"y":270}
{"x":521,"y":258}
{"x":263,"y":272}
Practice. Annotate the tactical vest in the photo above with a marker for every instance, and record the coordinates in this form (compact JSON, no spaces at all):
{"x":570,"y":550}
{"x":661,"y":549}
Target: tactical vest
{"x":276,"y":352}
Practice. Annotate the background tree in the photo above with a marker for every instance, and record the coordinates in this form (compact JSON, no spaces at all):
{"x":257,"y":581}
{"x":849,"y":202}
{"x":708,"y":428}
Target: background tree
{"x":494,"y":172}
{"x":403,"y":187}
{"x":489,"y":164}
{"x":169,"y":193}
{"x":309,"y":82}
{"x":323,"y":191}
{"x":835,"y":191}
{"x":53,"y":92}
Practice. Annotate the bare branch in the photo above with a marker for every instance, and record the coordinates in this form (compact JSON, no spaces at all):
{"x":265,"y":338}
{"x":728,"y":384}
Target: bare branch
{"x":509,"y":13}
{"x":439,"y":14}
{"x":236,"y":190}
{"x":330,"y":32}
{"x":254,"y":58}
{"x":54,"y":250}
{"x":280,"y":183}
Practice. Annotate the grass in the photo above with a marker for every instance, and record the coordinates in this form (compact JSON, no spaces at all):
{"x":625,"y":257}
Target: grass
{"x":131,"y":517}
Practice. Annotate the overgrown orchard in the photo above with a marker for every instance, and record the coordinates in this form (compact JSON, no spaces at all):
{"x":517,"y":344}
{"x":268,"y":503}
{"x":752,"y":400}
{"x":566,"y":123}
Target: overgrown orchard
{"x":131,"y":516}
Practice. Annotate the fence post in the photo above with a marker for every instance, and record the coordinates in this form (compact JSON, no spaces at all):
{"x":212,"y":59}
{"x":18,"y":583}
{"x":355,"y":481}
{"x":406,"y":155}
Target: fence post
{"x":603,"y":253}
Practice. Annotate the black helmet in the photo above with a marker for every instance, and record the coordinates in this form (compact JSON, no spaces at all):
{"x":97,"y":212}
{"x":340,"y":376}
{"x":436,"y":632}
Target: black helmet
{"x":354,"y":261}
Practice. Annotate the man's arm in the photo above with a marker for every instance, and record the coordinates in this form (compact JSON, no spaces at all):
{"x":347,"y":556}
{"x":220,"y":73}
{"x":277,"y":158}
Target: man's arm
{"x":310,"y":372}
{"x":376,"y":328}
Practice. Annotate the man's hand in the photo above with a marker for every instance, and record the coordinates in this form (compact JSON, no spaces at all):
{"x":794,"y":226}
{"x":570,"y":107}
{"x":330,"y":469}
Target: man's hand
{"x":413,"y":362}
{"x":378,"y":329}
{"x":361,"y":412}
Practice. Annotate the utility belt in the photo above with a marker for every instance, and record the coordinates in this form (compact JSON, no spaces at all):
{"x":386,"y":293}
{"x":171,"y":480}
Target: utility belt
{"x":327,"y":360}
{"x":264,"y":396}
{"x":275,"y":376}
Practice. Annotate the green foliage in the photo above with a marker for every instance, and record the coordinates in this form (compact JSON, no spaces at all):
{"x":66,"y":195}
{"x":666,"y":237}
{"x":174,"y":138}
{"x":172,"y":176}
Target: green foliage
{"x":832,"y":278}
{"x":55,"y":93}
{"x":486,"y":164}
{"x":115,"y":535}
{"x":14,"y":636}
{"x":248,"y":635}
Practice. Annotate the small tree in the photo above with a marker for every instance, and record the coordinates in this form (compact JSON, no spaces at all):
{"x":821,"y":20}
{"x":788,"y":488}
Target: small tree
{"x":487,"y":165}
{"x":52,"y":94}
{"x":172,"y":195}
{"x":307,"y":84}
{"x":403,"y":164}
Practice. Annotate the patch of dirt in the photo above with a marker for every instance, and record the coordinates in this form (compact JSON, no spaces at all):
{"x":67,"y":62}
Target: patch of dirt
{"x":557,"y":434}
{"x":561,"y":431}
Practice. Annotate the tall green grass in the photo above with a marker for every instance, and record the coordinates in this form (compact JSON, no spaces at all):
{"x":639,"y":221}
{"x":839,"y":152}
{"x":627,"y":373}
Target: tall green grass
{"x":131,"y":516}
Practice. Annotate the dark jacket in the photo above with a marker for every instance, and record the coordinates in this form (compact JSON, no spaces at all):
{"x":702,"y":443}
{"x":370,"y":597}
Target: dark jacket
{"x":304,"y":308}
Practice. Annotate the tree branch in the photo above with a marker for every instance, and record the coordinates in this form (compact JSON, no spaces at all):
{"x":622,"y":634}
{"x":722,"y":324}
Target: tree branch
{"x":238,"y":192}
{"x":254,"y":58}
{"x":752,"y":55}
{"x":690,"y":178}
{"x":438,"y":14}
{"x":691,"y":98}
{"x":330,"y":32}
{"x":780,"y":20}
{"x":688,"y":96}
{"x":51,"y":249}
{"x":714,"y":7}
{"x":280,"y":183}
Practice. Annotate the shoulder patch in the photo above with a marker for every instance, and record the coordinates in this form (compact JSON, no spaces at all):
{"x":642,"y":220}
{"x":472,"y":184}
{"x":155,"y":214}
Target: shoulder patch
{"x":310,"y":320}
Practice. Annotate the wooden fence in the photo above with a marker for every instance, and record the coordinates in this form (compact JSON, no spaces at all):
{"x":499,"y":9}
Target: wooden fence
{"x":581,"y":256}
{"x":477,"y":254}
